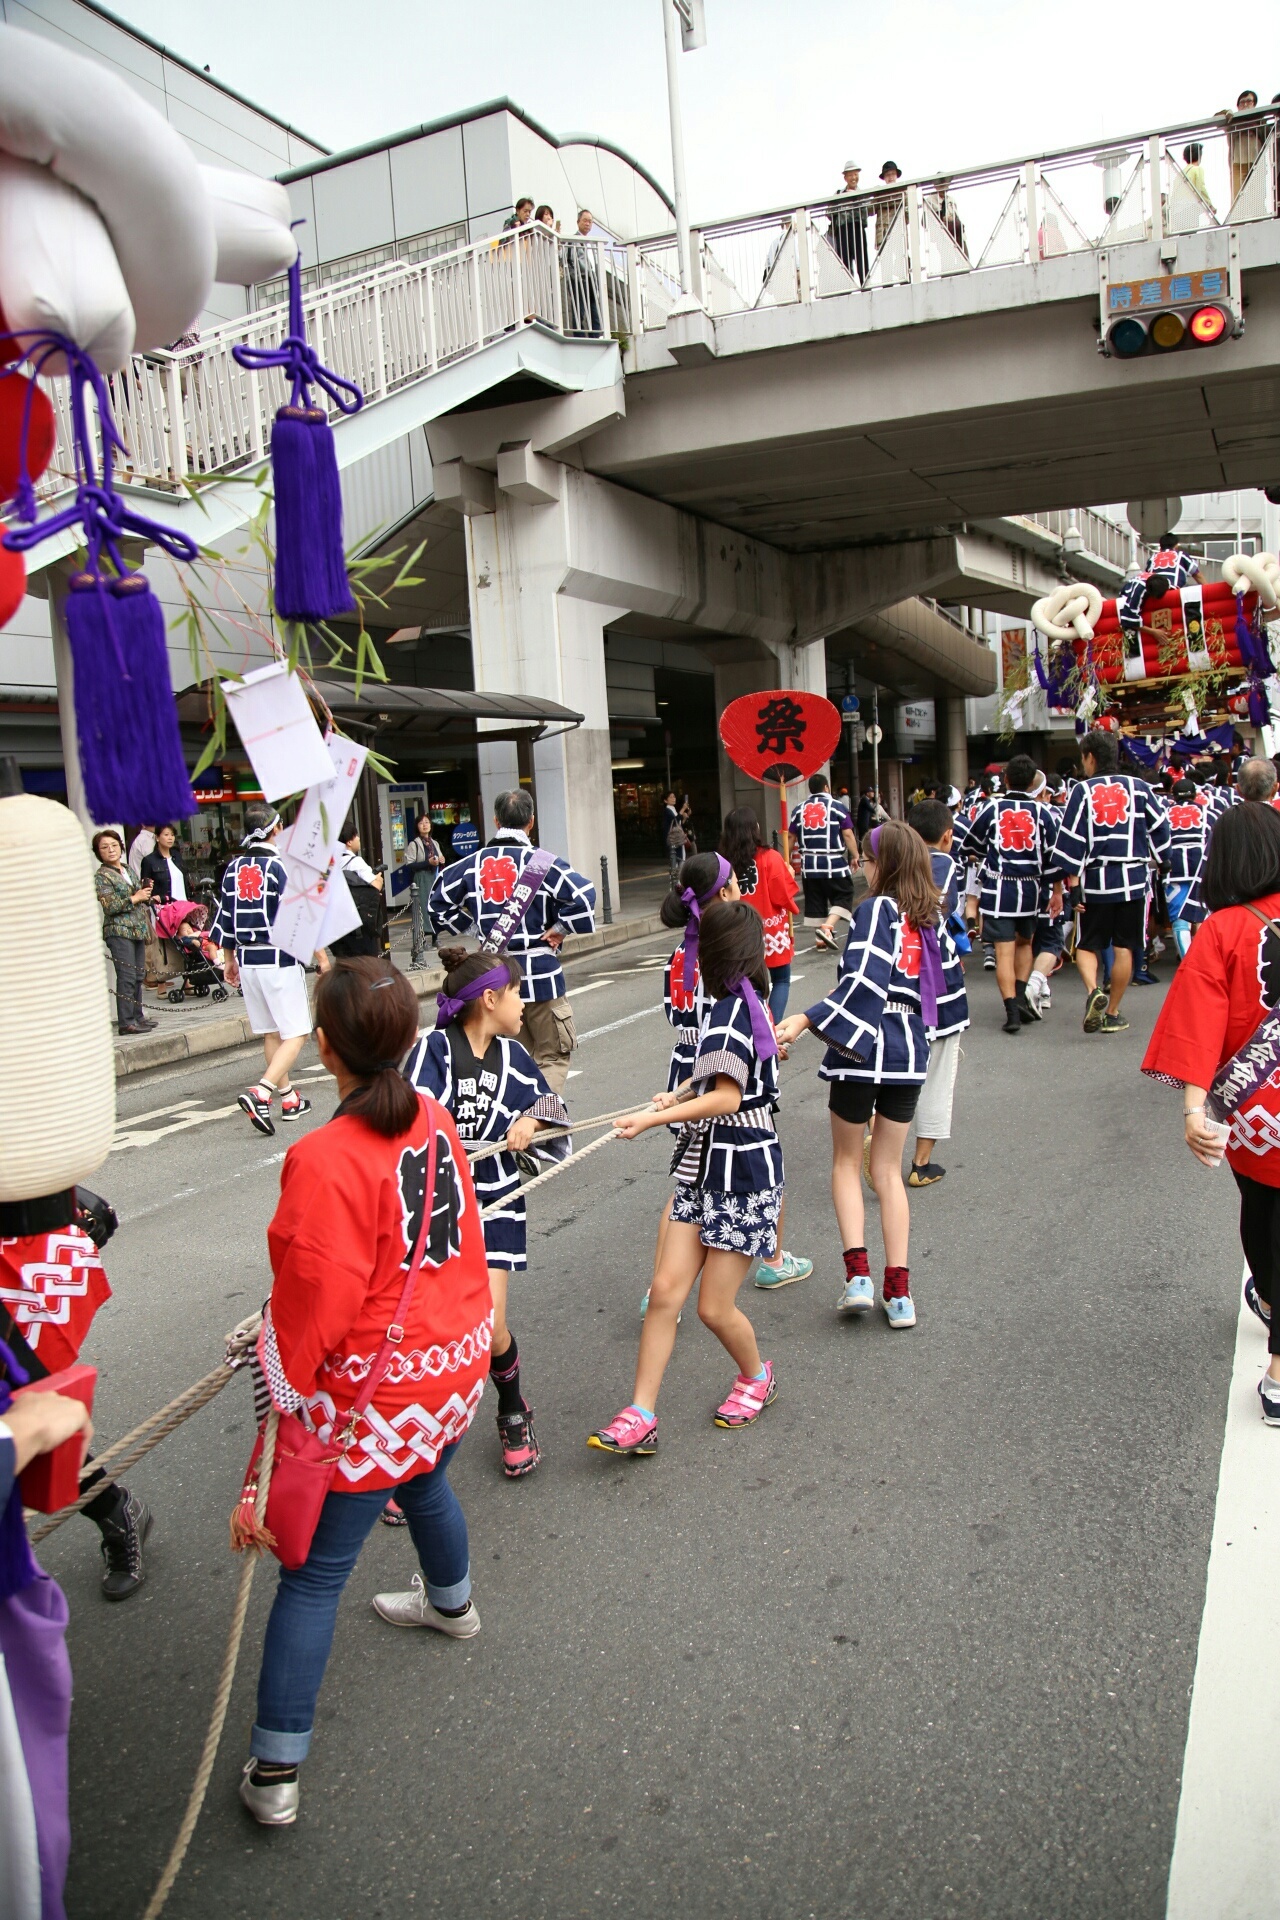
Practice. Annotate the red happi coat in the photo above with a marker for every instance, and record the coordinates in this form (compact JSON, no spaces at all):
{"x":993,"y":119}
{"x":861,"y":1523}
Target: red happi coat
{"x":52,"y":1284}
{"x":774,"y":899}
{"x":1219,"y":995}
{"x":340,"y":1243}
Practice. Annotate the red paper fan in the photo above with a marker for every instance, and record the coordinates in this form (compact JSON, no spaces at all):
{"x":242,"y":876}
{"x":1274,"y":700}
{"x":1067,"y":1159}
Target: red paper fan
{"x":782,"y":735}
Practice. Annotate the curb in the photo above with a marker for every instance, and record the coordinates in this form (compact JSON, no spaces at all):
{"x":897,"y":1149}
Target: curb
{"x":222,"y":1036}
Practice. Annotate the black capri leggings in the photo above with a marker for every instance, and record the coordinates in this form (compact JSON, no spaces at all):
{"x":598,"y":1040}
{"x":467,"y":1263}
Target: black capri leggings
{"x":1260,"y":1238}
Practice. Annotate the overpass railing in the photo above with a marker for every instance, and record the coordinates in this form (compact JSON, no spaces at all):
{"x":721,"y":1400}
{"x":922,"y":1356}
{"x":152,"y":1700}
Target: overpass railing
{"x":1191,"y":179}
{"x":195,"y":410}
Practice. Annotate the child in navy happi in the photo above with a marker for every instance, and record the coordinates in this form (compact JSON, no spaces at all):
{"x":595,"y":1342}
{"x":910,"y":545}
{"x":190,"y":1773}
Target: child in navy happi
{"x":932,"y":820}
{"x":475,"y":1067}
{"x":875,"y":1021}
{"x":822,"y":827}
{"x":1190,"y":823}
{"x":1011,"y":838}
{"x":728,"y":1173}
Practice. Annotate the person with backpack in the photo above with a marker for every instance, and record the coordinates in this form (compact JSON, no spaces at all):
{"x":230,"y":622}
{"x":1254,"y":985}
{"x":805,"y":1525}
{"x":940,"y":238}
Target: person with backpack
{"x":366,"y":890}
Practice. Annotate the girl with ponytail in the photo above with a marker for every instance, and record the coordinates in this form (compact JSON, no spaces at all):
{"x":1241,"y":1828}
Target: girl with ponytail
{"x":361,"y":1251}
{"x":476,"y":1067}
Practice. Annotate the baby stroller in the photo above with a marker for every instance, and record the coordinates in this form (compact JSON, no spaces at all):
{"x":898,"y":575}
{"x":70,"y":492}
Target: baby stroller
{"x":182,"y":922}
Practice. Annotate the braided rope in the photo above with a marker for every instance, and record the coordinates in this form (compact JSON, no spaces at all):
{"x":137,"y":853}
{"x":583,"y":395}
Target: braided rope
{"x":156,"y":1428}
{"x":226,"y":1678}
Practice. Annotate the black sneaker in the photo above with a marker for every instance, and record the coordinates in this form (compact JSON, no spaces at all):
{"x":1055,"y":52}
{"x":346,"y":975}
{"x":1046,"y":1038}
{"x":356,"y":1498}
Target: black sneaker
{"x":1255,"y":1302}
{"x":1012,"y":1018}
{"x":257,"y":1104}
{"x":294,"y":1111}
{"x":988,"y":957}
{"x":122,"y":1538}
{"x":1113,"y":1023}
{"x":1095,"y":1011}
{"x":926,"y":1175}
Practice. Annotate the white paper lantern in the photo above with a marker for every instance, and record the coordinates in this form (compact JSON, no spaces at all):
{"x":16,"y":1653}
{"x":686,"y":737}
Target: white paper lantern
{"x":57,"y":1081}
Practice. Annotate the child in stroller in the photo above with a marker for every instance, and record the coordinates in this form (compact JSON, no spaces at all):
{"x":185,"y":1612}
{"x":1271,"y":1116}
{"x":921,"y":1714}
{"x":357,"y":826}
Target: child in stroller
{"x":183,"y":922}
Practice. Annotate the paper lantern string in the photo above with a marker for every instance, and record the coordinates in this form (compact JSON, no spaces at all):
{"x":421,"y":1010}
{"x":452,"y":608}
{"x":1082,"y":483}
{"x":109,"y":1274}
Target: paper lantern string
{"x":295,"y":352}
{"x":104,"y":516}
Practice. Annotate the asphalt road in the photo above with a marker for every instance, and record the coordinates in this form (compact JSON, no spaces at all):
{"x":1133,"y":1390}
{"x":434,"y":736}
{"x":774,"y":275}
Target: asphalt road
{"x":918,"y":1644}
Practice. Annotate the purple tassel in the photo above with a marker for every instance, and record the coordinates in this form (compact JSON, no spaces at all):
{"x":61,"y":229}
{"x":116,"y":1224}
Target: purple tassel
{"x":1259,"y":705}
{"x":311,"y":571}
{"x":130,"y":747}
{"x":17,"y":1566}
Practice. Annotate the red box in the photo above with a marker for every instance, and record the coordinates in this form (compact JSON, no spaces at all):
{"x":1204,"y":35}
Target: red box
{"x":52,"y":1480}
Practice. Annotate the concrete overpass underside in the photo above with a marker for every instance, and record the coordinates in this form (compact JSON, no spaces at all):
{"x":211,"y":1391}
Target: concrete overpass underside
{"x":882,"y":436}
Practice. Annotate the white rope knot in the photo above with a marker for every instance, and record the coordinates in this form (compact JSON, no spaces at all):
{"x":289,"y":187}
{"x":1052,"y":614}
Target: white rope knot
{"x":1259,"y":571}
{"x":1070,"y":612}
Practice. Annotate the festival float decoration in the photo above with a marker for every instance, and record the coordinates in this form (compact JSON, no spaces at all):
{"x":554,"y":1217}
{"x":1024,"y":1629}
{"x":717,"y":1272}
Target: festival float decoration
{"x":779,"y":737}
{"x":1191,"y":647}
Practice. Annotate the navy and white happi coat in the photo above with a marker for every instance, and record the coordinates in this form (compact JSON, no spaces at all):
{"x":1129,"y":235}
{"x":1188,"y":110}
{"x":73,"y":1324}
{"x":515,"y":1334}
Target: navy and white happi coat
{"x":737,"y":1153}
{"x":1112,"y":825}
{"x":1011,"y":840}
{"x":686,"y":1010}
{"x":1191,"y":821}
{"x":1052,"y":922}
{"x":872,"y":1020}
{"x":252,"y":888}
{"x":953,"y":1001}
{"x":469,"y":896}
{"x":818,"y":825}
{"x":486,"y":1097}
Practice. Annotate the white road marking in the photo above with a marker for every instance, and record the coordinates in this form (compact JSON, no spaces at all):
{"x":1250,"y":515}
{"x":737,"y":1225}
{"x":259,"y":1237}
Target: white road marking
{"x":613,"y":1025}
{"x":123,"y":1140}
{"x":160,"y":1113}
{"x":575,"y":993}
{"x":574,"y":1073}
{"x":1223,"y":1865}
{"x":183,"y":1193}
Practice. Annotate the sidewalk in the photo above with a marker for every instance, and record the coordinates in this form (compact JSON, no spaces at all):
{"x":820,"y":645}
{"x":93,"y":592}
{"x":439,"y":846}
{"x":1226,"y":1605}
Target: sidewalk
{"x":198,"y":1027}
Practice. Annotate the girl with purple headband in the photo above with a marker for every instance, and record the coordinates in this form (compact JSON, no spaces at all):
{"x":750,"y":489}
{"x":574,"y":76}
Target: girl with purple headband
{"x":476,"y":1067}
{"x":876,"y":1021}
{"x":728,"y":1174}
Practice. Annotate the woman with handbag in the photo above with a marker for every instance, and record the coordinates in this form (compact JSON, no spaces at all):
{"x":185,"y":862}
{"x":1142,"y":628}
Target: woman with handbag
{"x":375,"y":1349}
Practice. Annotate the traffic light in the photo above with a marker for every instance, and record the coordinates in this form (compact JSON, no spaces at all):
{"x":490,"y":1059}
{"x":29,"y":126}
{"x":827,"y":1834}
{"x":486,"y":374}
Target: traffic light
{"x":1166,"y":332}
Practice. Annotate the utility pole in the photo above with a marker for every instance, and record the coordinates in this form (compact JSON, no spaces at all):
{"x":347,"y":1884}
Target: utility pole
{"x":686,"y":17}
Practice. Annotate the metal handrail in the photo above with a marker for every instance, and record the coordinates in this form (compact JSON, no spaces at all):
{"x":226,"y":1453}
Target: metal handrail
{"x":194,"y":410}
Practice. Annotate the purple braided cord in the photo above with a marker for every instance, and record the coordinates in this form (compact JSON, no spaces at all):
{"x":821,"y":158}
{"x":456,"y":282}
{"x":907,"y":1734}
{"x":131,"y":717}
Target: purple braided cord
{"x":306,"y":369}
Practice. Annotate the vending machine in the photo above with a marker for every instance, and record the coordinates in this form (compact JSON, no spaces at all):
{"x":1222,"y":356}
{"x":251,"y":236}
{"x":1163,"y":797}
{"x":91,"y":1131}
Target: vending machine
{"x":399,"y":806}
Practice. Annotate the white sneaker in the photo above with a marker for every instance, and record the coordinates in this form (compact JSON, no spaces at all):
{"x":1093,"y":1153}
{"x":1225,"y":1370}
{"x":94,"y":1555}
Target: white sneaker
{"x":413,"y":1609}
{"x":1038,"y":992}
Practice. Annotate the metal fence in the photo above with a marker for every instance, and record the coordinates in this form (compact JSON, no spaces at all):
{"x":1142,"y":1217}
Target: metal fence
{"x":196,"y":411}
{"x":1190,"y":179}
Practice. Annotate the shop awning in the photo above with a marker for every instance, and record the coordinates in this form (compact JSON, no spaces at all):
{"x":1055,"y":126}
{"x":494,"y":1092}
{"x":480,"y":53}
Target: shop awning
{"x":443,"y":715}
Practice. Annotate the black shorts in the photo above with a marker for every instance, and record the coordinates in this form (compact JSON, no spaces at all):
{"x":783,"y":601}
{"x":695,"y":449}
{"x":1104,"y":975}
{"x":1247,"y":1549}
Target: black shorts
{"x":856,"y":1100}
{"x":822,"y":891}
{"x":1049,"y":936}
{"x":1113,"y":923}
{"x":1021,"y":927}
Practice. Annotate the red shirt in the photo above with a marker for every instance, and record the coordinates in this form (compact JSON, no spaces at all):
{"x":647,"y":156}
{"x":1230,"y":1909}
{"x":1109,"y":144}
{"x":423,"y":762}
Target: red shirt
{"x":1218,"y":998}
{"x":775,"y":899}
{"x":340,"y":1244}
{"x":52,"y":1285}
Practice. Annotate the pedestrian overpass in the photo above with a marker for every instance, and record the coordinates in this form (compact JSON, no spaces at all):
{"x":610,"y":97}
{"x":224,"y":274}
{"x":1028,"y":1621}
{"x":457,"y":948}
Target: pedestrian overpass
{"x":783,"y":468}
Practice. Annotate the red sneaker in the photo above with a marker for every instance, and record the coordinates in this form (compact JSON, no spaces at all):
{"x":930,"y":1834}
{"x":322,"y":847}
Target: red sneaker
{"x":520,"y":1450}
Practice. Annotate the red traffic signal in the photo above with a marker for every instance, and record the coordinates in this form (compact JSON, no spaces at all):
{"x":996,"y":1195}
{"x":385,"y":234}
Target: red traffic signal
{"x":1166,"y":332}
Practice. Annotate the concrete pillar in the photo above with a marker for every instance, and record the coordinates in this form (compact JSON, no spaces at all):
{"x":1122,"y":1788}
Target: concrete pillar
{"x":801,"y":667}
{"x":953,"y":742}
{"x":528,"y":637}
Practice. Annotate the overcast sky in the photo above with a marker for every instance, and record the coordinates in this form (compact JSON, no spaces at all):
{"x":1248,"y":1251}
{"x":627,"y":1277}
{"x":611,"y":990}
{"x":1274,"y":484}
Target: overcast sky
{"x":783,"y":93}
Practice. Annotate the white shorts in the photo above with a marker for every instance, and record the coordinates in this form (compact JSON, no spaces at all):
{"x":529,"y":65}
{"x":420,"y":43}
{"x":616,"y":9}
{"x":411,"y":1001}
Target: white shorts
{"x":275,"y":999}
{"x":933,"y":1114}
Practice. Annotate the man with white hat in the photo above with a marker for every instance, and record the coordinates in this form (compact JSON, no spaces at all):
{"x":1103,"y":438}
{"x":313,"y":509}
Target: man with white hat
{"x":848,"y":232}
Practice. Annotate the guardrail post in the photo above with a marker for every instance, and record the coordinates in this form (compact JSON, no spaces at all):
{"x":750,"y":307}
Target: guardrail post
{"x":517,"y":280}
{"x":1033,"y":212}
{"x":804,"y":255}
{"x":915,"y":264}
{"x":177,"y":421}
{"x":606,"y":900}
{"x":602,"y":289}
{"x":695,"y":265}
{"x":1155,"y":155}
{"x":635,"y":319}
{"x":380,"y":348}
{"x":475,"y":294}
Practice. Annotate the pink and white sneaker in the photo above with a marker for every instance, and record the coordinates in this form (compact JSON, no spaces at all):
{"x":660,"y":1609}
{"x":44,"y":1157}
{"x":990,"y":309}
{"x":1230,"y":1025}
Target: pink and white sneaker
{"x":628,"y":1432}
{"x":748,"y":1399}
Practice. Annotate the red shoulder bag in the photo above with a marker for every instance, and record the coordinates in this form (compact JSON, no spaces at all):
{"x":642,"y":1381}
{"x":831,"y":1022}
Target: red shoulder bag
{"x":304,"y":1466}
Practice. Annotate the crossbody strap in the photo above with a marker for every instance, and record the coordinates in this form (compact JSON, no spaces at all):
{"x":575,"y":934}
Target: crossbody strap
{"x":395,"y":1332}
{"x":1265,"y":919}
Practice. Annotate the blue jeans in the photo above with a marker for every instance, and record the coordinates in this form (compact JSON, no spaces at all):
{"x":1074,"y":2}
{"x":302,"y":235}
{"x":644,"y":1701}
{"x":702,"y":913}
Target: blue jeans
{"x":299,"y":1635}
{"x":779,"y":989}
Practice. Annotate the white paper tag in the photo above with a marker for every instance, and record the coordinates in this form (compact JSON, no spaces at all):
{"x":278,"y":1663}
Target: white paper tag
{"x":313,"y":837}
{"x":278,"y":730}
{"x":314,"y":909}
